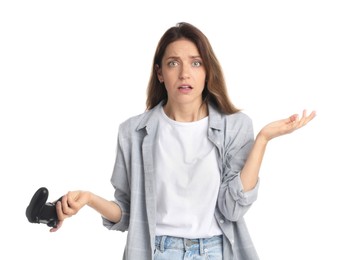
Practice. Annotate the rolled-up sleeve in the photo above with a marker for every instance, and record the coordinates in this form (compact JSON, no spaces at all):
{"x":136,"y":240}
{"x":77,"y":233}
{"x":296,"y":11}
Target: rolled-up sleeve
{"x":233,"y":202}
{"x":120,"y":182}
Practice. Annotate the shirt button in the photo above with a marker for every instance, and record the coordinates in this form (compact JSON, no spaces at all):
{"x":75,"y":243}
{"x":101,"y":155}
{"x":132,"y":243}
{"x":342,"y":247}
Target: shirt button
{"x":221,"y":221}
{"x":232,"y":241}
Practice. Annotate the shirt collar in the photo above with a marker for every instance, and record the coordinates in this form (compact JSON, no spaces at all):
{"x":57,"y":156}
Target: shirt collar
{"x":150,"y":118}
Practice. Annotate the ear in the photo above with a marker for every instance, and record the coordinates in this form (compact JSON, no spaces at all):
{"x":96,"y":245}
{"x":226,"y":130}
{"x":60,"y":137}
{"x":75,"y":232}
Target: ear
{"x":159,"y":73}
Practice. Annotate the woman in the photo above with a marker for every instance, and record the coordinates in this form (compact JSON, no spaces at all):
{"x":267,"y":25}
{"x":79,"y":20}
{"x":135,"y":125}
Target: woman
{"x":187,"y":169}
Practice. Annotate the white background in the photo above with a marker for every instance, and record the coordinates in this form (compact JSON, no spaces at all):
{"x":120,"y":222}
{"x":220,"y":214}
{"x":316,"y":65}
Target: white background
{"x":72,"y":71}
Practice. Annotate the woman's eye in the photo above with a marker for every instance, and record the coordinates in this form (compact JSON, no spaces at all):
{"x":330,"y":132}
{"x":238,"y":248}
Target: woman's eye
{"x":173,"y":63}
{"x":196,"y":64}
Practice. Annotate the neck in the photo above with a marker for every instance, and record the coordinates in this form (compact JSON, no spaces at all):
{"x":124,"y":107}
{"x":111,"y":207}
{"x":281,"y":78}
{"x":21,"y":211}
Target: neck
{"x":186,"y":113}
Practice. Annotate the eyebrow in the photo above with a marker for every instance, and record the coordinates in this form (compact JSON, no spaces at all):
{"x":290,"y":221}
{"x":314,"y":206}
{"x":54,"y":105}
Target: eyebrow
{"x":178,"y":57}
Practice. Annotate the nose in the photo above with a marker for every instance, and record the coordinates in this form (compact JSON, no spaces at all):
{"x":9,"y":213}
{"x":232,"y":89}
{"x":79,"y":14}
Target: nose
{"x":184,"y":72}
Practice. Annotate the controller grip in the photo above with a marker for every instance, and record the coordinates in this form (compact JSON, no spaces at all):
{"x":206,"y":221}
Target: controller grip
{"x":41,"y":211}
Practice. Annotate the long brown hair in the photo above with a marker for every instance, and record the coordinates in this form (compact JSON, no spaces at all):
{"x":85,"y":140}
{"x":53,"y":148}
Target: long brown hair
{"x":215,"y":90}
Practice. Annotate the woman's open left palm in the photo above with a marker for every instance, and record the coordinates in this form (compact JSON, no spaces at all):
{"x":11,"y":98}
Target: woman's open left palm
{"x":286,"y":126}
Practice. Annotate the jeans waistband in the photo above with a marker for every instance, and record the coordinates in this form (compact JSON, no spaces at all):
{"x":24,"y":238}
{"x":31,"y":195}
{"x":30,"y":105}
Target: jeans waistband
{"x":200,"y":244}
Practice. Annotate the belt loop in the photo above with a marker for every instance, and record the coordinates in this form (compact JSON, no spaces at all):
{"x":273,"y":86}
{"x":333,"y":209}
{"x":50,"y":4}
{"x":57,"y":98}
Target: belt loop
{"x":162,"y":243}
{"x":201,"y":246}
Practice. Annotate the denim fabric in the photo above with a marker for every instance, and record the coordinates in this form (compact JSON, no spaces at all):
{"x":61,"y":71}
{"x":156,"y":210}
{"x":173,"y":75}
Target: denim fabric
{"x":174,"y":248}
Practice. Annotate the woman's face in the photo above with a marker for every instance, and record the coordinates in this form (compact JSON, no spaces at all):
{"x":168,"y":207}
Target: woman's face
{"x":183,"y":73}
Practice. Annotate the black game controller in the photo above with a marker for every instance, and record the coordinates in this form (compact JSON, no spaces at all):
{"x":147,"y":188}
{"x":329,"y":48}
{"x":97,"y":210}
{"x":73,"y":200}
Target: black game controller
{"x":41,"y":211}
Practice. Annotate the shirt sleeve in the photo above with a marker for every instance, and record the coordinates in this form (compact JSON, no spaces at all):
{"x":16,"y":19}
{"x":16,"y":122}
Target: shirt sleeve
{"x":233,"y":202}
{"x":120,"y":182}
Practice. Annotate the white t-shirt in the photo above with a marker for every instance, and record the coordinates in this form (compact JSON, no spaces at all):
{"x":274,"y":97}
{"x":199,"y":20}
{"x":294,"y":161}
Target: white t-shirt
{"x":188,"y":179}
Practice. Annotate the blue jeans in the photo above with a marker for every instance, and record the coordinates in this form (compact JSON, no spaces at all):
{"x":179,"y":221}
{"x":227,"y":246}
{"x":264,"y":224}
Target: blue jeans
{"x":175,"y":248}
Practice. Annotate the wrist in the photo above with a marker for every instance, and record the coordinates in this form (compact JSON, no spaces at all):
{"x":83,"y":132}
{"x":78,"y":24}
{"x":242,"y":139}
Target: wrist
{"x":88,"y":197}
{"x":261,"y":139}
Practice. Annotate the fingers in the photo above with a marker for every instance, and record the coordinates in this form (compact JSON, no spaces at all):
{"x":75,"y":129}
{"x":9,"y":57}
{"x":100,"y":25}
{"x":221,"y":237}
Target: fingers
{"x":63,"y":209}
{"x":294,"y":122}
{"x":293,"y":118}
{"x":61,"y":216}
{"x":311,"y":116}
{"x":305,"y":119}
{"x":59,"y":209}
{"x":58,"y":226}
{"x":73,"y":202}
{"x":286,"y":126}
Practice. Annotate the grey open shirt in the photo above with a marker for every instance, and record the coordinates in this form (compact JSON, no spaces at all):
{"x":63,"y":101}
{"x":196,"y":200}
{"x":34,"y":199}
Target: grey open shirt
{"x":135,"y":192}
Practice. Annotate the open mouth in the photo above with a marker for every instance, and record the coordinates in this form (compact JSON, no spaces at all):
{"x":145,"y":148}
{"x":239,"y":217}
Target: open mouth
{"x":185,"y":87}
